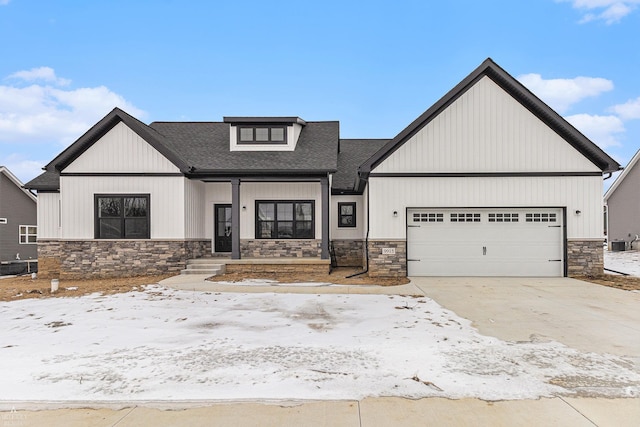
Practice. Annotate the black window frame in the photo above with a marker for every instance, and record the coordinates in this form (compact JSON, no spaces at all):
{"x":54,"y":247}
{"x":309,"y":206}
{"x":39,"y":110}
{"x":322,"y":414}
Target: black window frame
{"x":270,"y":127}
{"x":340,"y":214}
{"x":275,"y":221}
{"x":96,"y":215}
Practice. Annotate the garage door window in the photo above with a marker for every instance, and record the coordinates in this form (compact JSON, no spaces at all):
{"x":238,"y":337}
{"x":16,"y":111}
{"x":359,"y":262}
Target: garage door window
{"x":465,"y":217}
{"x":428,"y":217}
{"x":541,"y":217}
{"x":503,"y":217}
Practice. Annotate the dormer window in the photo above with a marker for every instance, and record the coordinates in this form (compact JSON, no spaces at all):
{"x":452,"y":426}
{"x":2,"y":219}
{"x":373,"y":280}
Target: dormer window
{"x":262,"y":134}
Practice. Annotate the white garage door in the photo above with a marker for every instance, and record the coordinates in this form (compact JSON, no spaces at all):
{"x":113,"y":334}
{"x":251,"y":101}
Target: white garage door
{"x":485,"y":242}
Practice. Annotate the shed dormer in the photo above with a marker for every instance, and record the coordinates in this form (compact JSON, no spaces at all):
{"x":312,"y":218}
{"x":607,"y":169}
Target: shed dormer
{"x":264,"y":133}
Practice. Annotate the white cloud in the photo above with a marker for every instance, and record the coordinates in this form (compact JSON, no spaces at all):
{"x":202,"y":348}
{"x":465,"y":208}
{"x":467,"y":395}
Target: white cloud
{"x":4,"y":2}
{"x":561,"y":94}
{"x":603,"y":130}
{"x":21,"y":167}
{"x":629,"y":110}
{"x":45,"y":74}
{"x":610,"y":11}
{"x":48,"y":114}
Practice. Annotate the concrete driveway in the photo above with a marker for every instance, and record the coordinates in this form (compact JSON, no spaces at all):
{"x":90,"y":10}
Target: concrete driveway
{"x":581,"y":315}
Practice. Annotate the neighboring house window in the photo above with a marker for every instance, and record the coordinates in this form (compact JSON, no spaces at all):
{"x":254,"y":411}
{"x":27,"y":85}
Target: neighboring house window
{"x":262,"y":134}
{"x":122,"y":216}
{"x":285,"y":220}
{"x":28,"y":234}
{"x":3,"y":220}
{"x":347,"y":214}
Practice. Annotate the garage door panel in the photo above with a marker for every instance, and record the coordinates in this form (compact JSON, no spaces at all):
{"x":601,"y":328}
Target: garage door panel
{"x":485,"y":242}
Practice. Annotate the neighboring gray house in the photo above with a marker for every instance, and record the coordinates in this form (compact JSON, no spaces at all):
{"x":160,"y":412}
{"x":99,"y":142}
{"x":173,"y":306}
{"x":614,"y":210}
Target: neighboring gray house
{"x":489,"y":181}
{"x":18,"y":223}
{"x":622,"y":201}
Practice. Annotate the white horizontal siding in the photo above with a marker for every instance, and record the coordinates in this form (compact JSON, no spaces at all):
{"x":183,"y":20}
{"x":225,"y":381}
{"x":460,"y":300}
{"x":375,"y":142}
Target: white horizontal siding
{"x":121,"y":150}
{"x":486,"y":130}
{"x":357,"y":232}
{"x":387,"y":195}
{"x":167,"y":203}
{"x":250,"y":192}
{"x":48,"y":215}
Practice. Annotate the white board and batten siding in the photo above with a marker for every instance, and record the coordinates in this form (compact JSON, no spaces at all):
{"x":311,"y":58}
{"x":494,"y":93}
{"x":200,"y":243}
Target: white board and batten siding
{"x":121,"y":150}
{"x":166,"y":199}
{"x":48,"y":216}
{"x":486,"y":130}
{"x":387,"y":195}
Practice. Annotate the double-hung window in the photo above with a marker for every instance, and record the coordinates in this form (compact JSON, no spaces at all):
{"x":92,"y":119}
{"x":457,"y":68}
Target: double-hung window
{"x":122,"y":216}
{"x":285,"y":219}
{"x":28,"y":234}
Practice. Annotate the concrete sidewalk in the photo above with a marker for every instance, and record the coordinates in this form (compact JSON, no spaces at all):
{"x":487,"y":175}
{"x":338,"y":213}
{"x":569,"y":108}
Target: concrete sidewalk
{"x":371,"y":412}
{"x":198,"y":282}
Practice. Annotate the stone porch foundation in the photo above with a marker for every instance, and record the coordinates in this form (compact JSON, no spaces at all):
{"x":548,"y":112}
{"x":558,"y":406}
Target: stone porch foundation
{"x":92,"y":259}
{"x":287,"y":248}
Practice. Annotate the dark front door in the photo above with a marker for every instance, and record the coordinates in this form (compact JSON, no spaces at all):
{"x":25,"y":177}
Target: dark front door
{"x":222,"y":235}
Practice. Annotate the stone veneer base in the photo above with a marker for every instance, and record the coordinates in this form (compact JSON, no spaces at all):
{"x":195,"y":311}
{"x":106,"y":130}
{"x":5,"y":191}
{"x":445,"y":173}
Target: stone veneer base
{"x":89,"y":259}
{"x":585,"y":257}
{"x":387,"y":265}
{"x":287,"y":248}
{"x":349,"y":253}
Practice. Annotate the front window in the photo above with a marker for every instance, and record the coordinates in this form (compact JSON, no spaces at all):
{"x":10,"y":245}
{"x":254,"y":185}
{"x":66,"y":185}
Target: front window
{"x":285,"y":220}
{"x":347,"y":214}
{"x":262,"y":134}
{"x":28,"y":234}
{"x":122,"y":217}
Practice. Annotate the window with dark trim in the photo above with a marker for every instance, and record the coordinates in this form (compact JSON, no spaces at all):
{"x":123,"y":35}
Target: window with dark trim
{"x":121,"y":216}
{"x":262,"y":134}
{"x":290,"y":219}
{"x":346,"y":214}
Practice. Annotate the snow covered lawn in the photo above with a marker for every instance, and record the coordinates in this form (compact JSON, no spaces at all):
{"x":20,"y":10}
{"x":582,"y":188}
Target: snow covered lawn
{"x":623,"y":261}
{"x":167,"y":344}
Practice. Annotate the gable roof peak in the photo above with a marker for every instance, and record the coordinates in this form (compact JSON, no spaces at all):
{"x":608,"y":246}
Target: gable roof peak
{"x":521,"y":94}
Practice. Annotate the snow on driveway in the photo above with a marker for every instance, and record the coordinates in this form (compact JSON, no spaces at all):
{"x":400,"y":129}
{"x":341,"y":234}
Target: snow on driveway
{"x":179,"y":345}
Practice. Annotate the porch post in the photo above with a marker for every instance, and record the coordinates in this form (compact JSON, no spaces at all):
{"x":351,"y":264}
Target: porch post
{"x":324,"y":183}
{"x":235,"y":218}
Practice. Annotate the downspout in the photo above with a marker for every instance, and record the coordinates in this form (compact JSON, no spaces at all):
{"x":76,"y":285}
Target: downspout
{"x":366,"y":239}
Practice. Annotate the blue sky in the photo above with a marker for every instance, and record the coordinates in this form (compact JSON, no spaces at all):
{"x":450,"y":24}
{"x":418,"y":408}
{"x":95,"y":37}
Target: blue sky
{"x":374,"y":66}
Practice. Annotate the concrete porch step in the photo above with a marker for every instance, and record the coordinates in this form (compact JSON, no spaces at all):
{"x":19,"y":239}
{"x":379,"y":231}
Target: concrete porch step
{"x":204,"y":266}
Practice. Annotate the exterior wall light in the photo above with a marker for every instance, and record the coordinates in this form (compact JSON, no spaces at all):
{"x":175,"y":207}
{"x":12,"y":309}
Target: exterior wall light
{"x":578,"y":212}
{"x":395,"y":214}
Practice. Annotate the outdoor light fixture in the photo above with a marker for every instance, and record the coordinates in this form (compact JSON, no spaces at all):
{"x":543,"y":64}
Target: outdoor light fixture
{"x":578,"y":212}
{"x":244,"y":208}
{"x":395,"y":214}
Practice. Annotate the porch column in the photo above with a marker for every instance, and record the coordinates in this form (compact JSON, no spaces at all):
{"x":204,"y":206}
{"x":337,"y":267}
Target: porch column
{"x":324,"y":183}
{"x":235,"y":218}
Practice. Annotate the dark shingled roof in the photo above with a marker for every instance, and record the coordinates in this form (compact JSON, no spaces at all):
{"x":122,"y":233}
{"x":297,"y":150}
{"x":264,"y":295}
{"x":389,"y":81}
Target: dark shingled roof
{"x":353,"y":152}
{"x":47,"y":181}
{"x":205,"y":148}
